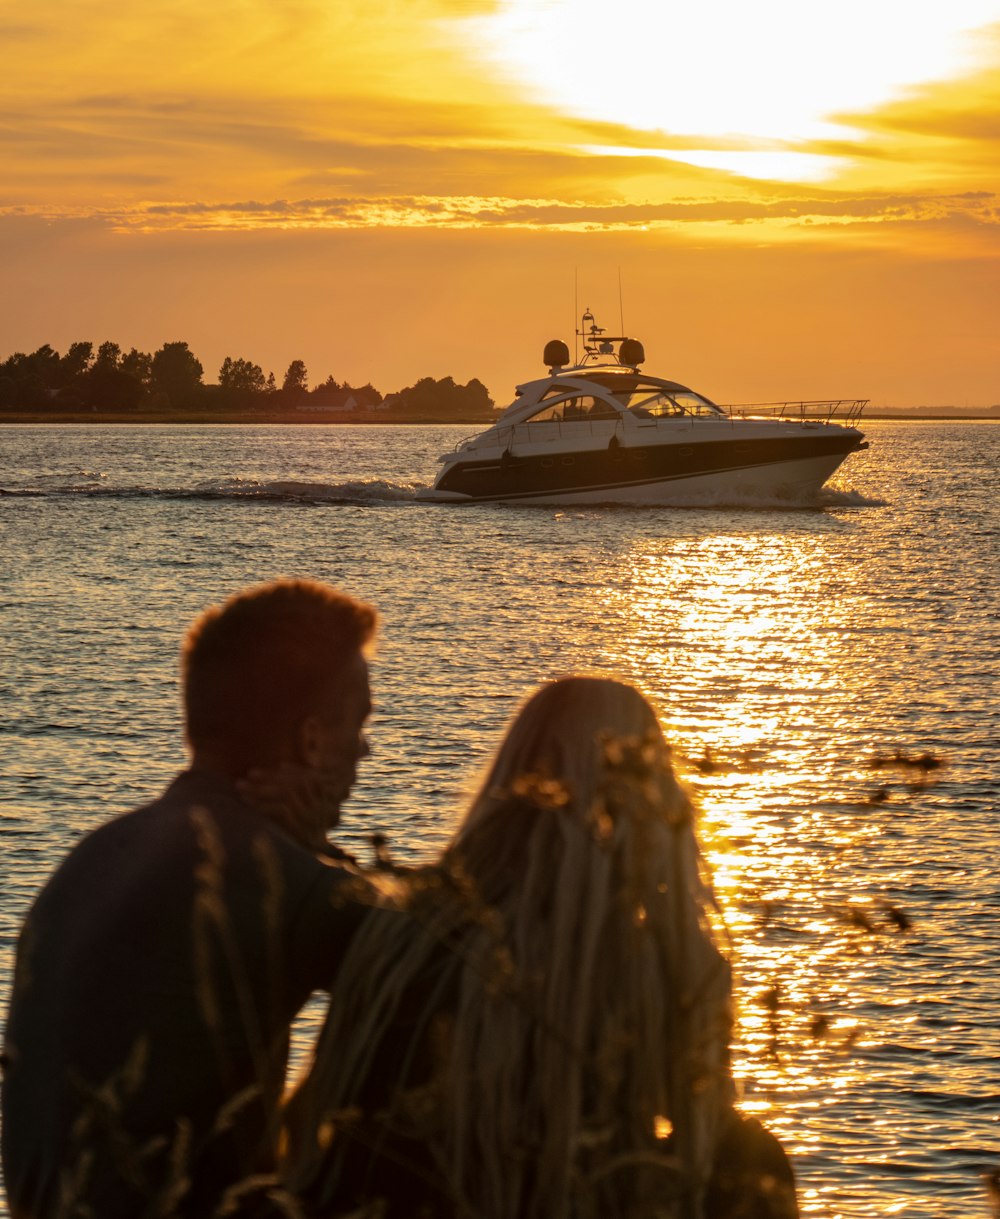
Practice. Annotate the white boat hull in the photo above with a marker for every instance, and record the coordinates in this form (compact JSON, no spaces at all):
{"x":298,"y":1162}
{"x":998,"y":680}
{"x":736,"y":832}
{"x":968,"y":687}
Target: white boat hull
{"x":790,"y":479}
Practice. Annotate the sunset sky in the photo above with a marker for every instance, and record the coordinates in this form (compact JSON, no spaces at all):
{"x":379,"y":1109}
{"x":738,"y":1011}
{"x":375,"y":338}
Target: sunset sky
{"x":799,"y":200}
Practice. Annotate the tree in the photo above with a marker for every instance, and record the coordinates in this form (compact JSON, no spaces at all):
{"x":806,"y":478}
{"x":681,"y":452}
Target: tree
{"x":72,"y":373}
{"x":419,"y":398}
{"x":34,"y":393}
{"x":139,"y":366}
{"x":477,"y":399}
{"x":108,"y":355}
{"x":36,"y":376}
{"x":43,"y":368}
{"x":295,"y":386}
{"x":445,"y":399}
{"x":75,"y":362}
{"x":11,"y":390}
{"x":296,"y":379}
{"x":119,"y":382}
{"x":241,"y":382}
{"x":326,"y":391}
{"x":176,"y":374}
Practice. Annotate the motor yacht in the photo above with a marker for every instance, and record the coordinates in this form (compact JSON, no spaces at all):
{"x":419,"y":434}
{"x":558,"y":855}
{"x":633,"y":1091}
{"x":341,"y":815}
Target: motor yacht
{"x":601,"y":431}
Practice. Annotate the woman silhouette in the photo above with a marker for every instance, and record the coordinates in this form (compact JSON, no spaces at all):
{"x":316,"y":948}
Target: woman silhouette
{"x":544,"y":1033}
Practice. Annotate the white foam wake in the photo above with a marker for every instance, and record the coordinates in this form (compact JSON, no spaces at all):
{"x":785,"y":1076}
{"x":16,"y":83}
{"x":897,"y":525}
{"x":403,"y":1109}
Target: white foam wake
{"x":830,"y":497}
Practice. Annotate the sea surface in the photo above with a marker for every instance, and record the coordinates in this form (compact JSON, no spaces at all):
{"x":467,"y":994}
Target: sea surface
{"x":827,"y":673}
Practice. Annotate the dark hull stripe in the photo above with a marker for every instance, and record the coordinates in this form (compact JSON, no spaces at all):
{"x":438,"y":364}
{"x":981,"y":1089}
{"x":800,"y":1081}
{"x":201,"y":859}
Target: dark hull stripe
{"x":618,"y":468}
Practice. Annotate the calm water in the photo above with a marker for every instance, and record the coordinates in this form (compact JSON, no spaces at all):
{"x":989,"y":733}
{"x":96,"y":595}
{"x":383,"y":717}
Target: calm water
{"x":787,"y":650}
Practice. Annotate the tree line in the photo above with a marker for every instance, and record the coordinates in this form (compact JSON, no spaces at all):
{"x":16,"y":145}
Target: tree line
{"x":172,"y":378}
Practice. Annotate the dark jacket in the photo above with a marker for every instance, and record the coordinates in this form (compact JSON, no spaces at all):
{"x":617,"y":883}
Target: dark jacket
{"x":157,"y":976}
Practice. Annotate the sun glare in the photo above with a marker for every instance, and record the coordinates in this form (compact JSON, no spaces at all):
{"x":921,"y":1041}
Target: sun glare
{"x":780,"y":166}
{"x":736,"y":75}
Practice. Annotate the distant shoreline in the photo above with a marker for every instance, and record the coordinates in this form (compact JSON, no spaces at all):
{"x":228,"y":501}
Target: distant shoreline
{"x":340,"y":418}
{"x":201,"y":418}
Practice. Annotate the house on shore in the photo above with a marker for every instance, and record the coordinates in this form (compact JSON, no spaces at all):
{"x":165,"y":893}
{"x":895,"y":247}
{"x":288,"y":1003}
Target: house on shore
{"x":341,"y":402}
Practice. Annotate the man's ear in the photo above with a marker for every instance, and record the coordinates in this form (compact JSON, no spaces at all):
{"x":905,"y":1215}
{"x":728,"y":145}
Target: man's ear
{"x":310,"y":741}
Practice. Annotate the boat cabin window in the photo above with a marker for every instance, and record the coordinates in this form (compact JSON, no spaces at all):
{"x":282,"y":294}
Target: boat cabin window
{"x":583,"y":407}
{"x":694,"y":404}
{"x":660,"y":404}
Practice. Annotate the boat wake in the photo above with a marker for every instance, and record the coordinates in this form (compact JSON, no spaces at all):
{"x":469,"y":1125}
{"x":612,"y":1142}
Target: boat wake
{"x":362,"y":491}
{"x":379,"y":491}
{"x":824,"y":499}
{"x":828,"y":497}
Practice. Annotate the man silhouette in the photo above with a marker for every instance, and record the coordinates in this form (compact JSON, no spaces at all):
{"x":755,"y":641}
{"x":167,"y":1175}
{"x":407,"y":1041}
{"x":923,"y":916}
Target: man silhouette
{"x":160,"y":967}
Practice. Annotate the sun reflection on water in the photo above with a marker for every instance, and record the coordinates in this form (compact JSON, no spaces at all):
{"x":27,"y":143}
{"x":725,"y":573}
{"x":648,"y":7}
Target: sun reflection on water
{"x":749,"y":645}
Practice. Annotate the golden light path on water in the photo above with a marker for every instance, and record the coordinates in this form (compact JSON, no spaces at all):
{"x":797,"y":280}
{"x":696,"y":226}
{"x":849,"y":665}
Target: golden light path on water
{"x":800,"y":934}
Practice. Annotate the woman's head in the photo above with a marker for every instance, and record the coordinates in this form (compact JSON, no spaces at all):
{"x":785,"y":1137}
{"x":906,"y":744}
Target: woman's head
{"x":581,"y":808}
{"x":583,"y":767}
{"x":568,"y":741}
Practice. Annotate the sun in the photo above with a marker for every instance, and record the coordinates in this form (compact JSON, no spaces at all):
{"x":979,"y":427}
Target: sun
{"x":737,"y":78}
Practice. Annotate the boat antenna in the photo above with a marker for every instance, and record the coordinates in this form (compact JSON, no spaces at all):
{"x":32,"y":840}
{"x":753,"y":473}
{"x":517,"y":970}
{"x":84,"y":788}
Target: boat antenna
{"x":576,"y":315}
{"x":621,"y":311}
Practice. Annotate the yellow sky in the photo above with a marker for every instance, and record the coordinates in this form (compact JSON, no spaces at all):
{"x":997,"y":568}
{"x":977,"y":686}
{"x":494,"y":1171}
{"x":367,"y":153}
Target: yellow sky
{"x":801,"y":199}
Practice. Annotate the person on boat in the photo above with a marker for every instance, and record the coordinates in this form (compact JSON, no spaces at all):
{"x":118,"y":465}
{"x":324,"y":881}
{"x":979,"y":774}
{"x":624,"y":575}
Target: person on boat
{"x":160,"y":967}
{"x":599,"y":409}
{"x":545,"y":1033}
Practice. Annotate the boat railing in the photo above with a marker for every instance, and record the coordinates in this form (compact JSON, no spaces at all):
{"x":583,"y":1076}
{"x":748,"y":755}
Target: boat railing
{"x":823,"y":410}
{"x":844,"y":411}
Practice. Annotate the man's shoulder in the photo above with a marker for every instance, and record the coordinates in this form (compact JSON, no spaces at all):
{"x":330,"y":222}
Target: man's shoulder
{"x":198,"y":818}
{"x":174,"y":813}
{"x":196,"y":838}
{"x":208,"y":811}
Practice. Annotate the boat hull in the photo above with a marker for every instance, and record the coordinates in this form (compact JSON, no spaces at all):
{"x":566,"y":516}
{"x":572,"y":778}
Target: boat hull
{"x":786,"y":468}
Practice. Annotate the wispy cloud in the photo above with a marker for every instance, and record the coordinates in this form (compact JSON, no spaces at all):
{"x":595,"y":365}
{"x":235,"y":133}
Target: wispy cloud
{"x":975,"y":210}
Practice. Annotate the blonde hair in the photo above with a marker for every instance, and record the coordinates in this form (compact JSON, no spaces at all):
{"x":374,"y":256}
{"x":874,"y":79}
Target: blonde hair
{"x":590,"y":1012}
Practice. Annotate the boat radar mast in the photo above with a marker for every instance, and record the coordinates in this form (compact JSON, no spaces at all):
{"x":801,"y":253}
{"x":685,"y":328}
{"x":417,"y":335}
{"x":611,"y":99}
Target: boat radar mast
{"x":598,"y":347}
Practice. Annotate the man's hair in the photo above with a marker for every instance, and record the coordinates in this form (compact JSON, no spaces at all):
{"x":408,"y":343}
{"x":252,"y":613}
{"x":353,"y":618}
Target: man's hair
{"x":256,"y":666}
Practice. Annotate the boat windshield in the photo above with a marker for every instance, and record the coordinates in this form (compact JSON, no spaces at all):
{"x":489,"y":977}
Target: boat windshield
{"x":650,"y":397}
{"x":569,"y":410}
{"x":650,"y":403}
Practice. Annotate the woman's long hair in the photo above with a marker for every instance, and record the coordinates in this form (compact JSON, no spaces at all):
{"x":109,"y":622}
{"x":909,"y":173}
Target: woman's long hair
{"x":583,"y":1066}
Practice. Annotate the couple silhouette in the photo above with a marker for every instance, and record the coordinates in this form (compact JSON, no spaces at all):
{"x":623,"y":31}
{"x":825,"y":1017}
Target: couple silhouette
{"x":537,"y":1024}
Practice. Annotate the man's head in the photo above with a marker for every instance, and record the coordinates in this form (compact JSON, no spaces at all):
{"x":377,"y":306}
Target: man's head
{"x":276,"y":676}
